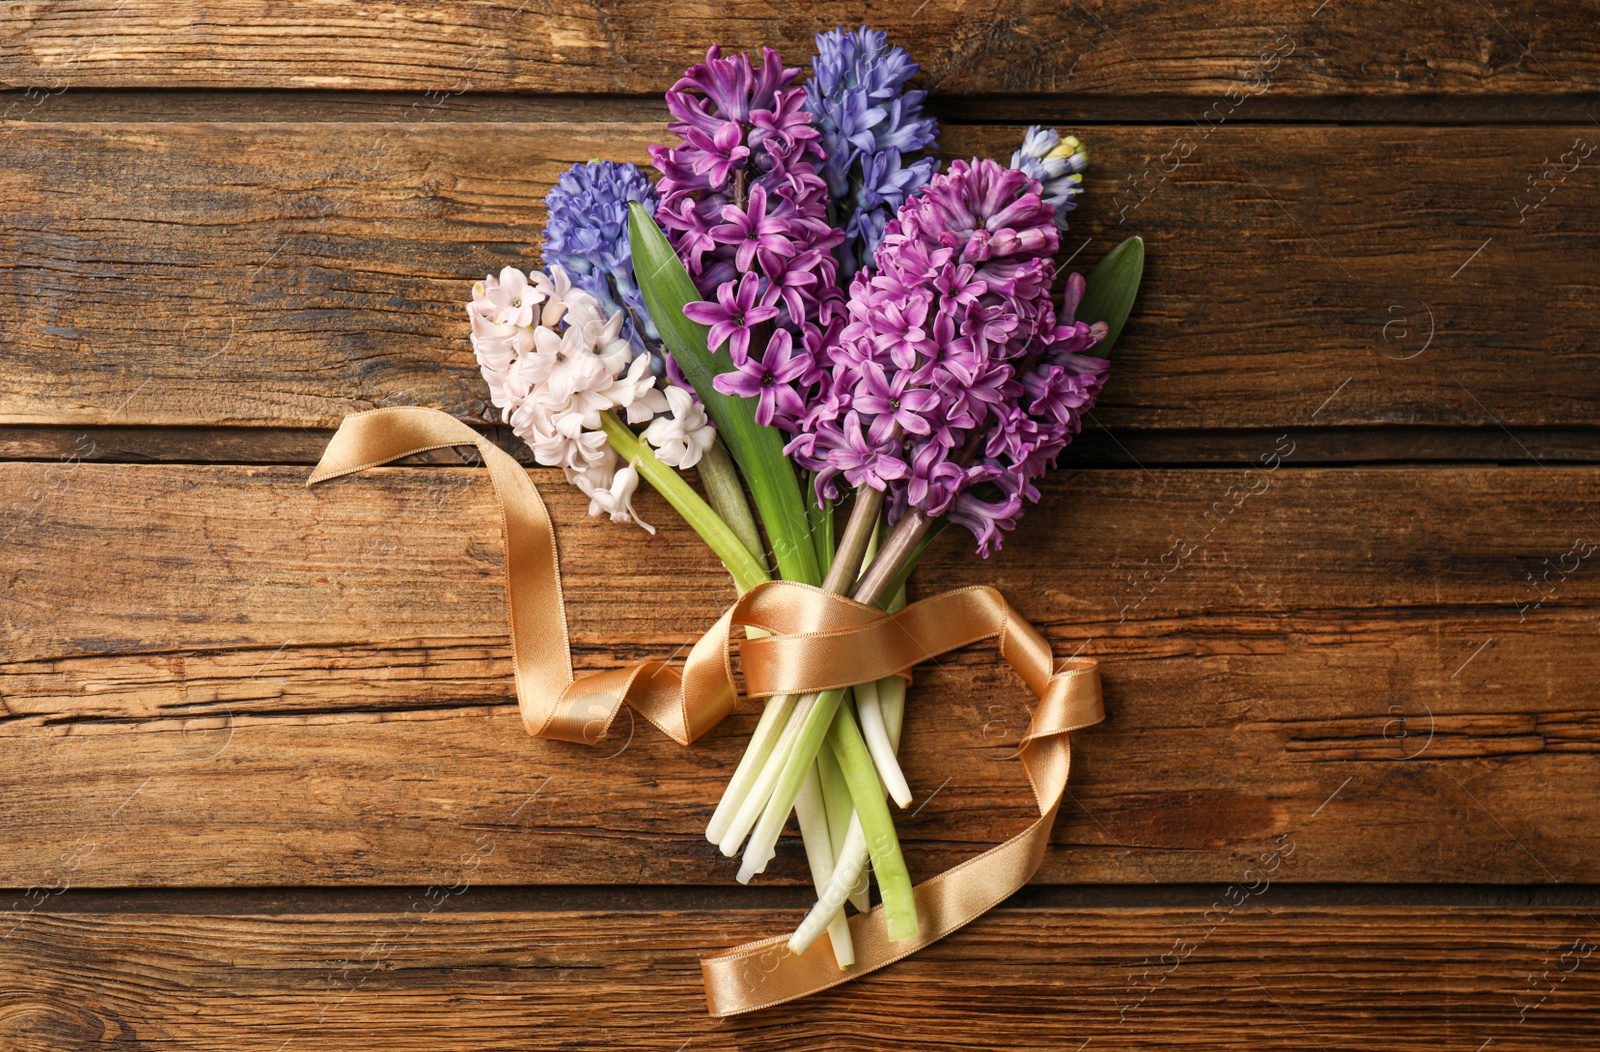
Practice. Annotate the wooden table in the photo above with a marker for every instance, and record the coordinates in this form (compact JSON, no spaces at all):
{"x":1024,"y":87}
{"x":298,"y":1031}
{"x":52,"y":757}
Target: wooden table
{"x":1332,"y":537}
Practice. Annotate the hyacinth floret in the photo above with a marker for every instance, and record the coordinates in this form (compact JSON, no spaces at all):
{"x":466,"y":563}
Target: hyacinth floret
{"x":1058,"y":164}
{"x":869,"y":122}
{"x":586,"y":234}
{"x":745,"y":209}
{"x":956,"y":383}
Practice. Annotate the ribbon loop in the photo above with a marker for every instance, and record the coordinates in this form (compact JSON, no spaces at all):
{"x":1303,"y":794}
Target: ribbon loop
{"x":818,"y":641}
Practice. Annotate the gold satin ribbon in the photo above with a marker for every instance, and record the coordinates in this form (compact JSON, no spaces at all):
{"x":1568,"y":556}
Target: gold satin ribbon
{"x":817,"y":641}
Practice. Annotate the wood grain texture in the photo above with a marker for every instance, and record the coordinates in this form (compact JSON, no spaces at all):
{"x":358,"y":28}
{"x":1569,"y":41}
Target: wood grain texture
{"x":1096,"y":446}
{"x":448,"y":976}
{"x":300,"y":105}
{"x":257,"y":709}
{"x":217,"y":677}
{"x":1143,"y":48}
{"x":284,"y":275}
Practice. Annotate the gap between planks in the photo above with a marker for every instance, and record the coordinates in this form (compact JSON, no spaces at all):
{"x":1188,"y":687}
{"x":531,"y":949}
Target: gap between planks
{"x":1097,"y":447}
{"x":298,"y":106}
{"x":179,"y":901}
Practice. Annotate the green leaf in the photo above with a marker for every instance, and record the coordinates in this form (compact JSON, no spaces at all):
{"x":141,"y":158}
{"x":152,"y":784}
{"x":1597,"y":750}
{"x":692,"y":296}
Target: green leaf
{"x":1112,"y":288}
{"x":758,"y":450}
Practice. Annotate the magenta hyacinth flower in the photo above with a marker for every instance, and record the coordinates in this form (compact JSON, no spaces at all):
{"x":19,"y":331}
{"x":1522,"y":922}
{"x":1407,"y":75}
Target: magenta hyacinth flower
{"x":732,"y":317}
{"x":895,"y":403}
{"x":863,"y":461}
{"x":720,"y":152}
{"x":771,"y":380}
{"x":746,"y":211}
{"x":955,"y":383}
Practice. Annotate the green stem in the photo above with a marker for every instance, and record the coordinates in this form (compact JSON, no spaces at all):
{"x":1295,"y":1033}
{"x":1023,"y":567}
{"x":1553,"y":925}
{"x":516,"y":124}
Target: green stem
{"x":812,"y":814}
{"x":812,"y":717}
{"x":835,"y":794}
{"x":888,"y":864}
{"x":726,"y":495}
{"x":819,"y":520}
{"x":769,"y":731}
{"x":742,"y":563}
{"x":746,"y":571}
{"x":859,"y":530}
{"x":752,"y":807}
{"x":808,"y":724}
{"x":870,"y":712}
{"x":874,"y":729}
{"x":849,"y":876}
{"x":892,"y":704}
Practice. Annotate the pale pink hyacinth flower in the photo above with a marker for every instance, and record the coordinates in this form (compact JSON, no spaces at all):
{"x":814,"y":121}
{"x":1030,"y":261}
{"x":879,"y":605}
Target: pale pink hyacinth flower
{"x":682,"y":434}
{"x":501,"y":310}
{"x":616,"y":499}
{"x":554,"y":363}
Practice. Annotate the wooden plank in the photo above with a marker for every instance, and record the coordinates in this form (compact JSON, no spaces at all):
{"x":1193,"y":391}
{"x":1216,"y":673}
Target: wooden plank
{"x":432,"y":976}
{"x":217,"y":677}
{"x":284,"y":275}
{"x":1187,"y":49}
{"x":1097,"y":446}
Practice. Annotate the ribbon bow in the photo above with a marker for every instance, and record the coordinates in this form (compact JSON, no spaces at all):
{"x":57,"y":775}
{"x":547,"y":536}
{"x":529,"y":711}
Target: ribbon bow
{"x":818,"y":641}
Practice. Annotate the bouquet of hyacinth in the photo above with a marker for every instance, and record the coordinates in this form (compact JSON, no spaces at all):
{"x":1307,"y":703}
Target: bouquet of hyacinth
{"x":806,"y":309}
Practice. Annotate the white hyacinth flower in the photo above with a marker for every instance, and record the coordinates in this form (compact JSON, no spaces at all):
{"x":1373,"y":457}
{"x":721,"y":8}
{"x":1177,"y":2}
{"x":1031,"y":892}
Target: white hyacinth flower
{"x":557,"y":438}
{"x":502,"y":305}
{"x":501,"y":310}
{"x":561,"y":295}
{"x":616,"y":498}
{"x":562,"y":372}
{"x":602,"y":336}
{"x":683,"y":434}
{"x":636,"y":393}
{"x":495,"y":359}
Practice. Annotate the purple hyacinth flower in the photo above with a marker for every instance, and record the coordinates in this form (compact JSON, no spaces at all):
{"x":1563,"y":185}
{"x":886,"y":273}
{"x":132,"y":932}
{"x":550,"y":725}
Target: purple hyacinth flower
{"x":720,"y":153}
{"x":732,"y":317}
{"x":770,"y":381}
{"x":900,"y":330}
{"x":934,"y":479}
{"x":586,"y":233}
{"x":726,"y":85}
{"x":751,"y":229}
{"x":956,"y":383}
{"x":793,"y":281}
{"x":786,"y":121}
{"x":863,"y":461}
